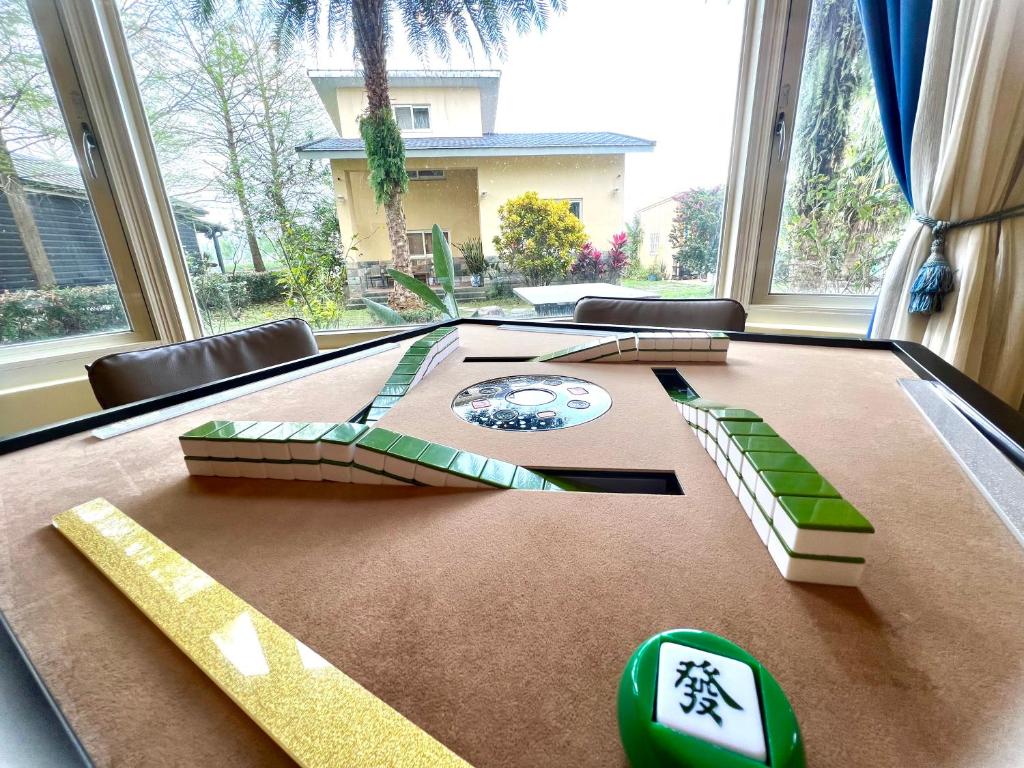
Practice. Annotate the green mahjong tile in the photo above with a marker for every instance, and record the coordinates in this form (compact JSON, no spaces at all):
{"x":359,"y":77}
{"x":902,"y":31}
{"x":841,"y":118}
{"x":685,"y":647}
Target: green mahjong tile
{"x":467,"y":465}
{"x":281,"y":432}
{"x":733,"y":414}
{"x":527,"y":480}
{"x":311,"y":433}
{"x":204,"y":430}
{"x":734,"y":428}
{"x":257,"y":430}
{"x":376,"y":413}
{"x":749,"y":443}
{"x":378,"y":439}
{"x":799,"y":484}
{"x":344,"y":434}
{"x":718,"y":335}
{"x":764,"y":461}
{"x":498,"y":473}
{"x":396,"y":390}
{"x":407,"y":447}
{"x":413,"y":357}
{"x":437,"y":456}
{"x":422,"y":344}
{"x":805,"y":556}
{"x":401,"y":378}
{"x":385,"y":401}
{"x":228,"y":431}
{"x":825,"y":514}
{"x":403,"y":369}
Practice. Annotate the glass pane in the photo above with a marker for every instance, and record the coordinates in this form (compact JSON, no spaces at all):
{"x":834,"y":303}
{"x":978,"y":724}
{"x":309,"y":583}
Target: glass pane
{"x":404,"y":117}
{"x":303,"y":233}
{"x":843,"y":212}
{"x":56,"y":278}
{"x":415,"y":243}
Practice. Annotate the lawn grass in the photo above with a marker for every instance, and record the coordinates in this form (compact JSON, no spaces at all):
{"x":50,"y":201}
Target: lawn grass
{"x":361,"y":318}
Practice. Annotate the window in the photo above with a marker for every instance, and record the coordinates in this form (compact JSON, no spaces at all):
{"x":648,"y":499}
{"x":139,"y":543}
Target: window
{"x":65,"y":267}
{"x":654,"y":243}
{"x":834,"y":211}
{"x":412,"y":117}
{"x":430,"y":174}
{"x":576,"y":208}
{"x":421,"y":242}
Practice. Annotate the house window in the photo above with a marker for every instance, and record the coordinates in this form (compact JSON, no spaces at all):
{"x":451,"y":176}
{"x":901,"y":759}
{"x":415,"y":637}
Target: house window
{"x":429,"y":174}
{"x":412,"y":117}
{"x":576,"y":208}
{"x":833,"y":209}
{"x":654,"y":242}
{"x":421,"y":242}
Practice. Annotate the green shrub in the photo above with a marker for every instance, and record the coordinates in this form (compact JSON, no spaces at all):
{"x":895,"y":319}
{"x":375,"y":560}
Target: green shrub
{"x":37,"y":315}
{"x":261,"y":287}
{"x":538,"y":238}
{"x":473,"y":254}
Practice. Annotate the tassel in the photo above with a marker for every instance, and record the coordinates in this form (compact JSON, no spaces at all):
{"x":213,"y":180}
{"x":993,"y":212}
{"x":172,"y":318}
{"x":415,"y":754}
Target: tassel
{"x":935,"y":278}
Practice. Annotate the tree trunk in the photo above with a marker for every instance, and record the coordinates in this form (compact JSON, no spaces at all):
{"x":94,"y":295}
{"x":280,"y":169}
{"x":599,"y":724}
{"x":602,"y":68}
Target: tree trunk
{"x":17,"y":199}
{"x":368,"y":18}
{"x":238,"y":185}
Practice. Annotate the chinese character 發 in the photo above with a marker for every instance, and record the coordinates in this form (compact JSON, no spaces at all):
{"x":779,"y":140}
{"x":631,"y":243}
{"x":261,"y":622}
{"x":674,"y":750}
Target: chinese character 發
{"x":701,"y":686}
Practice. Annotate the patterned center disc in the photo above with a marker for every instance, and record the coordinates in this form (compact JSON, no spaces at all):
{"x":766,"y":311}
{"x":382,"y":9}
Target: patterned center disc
{"x":531,"y":403}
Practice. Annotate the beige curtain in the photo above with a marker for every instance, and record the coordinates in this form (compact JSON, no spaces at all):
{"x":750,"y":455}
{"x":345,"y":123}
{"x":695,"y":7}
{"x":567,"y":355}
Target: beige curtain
{"x":967,"y":160}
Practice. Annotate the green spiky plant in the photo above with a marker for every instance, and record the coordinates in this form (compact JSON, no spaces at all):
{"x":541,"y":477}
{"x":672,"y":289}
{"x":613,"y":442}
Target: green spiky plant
{"x":444,"y":270}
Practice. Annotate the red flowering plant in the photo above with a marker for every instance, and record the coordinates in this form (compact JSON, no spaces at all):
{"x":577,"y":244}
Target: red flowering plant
{"x":589,"y":266}
{"x":616,"y":257}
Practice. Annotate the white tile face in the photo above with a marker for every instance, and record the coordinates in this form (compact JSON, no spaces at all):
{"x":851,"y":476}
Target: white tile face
{"x":429,"y":476}
{"x":304,"y":451}
{"x":761,"y":524}
{"x":307,"y":472}
{"x":199,"y":466}
{"x":710,"y":697}
{"x":364,"y":477}
{"x":814,"y":571}
{"x":191,"y":447}
{"x":336,"y":474}
{"x":280,"y":471}
{"x":255,"y":469}
{"x":275,"y":451}
{"x":370,"y":459}
{"x":226,"y":468}
{"x":343,"y":454}
{"x":247,"y":449}
{"x":746,"y":499}
{"x":399,"y":467}
{"x":732,"y":477}
{"x":722,"y":460}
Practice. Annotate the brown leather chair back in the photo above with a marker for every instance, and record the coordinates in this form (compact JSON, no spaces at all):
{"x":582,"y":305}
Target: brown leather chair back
{"x":130,"y":376}
{"x":706,"y":314}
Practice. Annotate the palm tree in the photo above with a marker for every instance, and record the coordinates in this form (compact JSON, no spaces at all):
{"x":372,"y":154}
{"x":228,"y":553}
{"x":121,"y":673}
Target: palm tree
{"x":428,"y":23}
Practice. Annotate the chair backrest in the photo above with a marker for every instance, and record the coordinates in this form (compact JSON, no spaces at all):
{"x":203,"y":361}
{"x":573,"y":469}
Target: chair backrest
{"x":706,"y":314}
{"x":129,"y":376}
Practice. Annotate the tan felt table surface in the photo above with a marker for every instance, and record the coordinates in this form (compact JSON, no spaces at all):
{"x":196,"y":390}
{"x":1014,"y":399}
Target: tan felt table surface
{"x":501,"y":621}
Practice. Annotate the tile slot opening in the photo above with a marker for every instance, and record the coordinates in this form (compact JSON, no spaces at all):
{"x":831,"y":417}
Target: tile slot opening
{"x":674,"y":383}
{"x":652,"y":482}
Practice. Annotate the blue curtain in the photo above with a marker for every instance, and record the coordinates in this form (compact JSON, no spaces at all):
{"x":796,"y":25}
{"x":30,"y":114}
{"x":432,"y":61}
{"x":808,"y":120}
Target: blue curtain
{"x":897,"y":31}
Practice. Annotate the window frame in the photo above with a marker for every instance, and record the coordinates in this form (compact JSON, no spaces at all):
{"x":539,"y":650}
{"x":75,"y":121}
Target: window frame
{"x":427,"y":235}
{"x":412,"y":117}
{"x":437,"y":174}
{"x":67,"y":88}
{"x":771,"y":66}
{"x":87,"y":61}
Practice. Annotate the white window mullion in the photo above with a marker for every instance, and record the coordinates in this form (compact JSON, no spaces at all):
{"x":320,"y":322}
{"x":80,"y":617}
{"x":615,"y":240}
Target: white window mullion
{"x":97,"y":41}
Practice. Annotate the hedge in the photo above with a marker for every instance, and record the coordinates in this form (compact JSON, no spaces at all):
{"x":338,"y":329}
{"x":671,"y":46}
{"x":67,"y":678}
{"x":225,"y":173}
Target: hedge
{"x":56,"y":312}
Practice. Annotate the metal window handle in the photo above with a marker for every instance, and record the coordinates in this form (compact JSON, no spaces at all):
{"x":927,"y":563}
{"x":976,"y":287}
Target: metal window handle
{"x":780,"y":131}
{"x":89,"y":146}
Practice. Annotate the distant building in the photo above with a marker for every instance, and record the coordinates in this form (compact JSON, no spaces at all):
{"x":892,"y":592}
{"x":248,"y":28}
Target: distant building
{"x":460,"y":170}
{"x":67,"y":228}
{"x":656,"y":221}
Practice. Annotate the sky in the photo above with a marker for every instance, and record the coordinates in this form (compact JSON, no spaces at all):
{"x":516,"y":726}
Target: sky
{"x":659,"y":69}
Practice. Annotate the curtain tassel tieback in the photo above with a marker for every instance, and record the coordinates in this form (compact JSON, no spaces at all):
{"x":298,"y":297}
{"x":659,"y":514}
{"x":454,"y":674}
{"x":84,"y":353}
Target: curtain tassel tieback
{"x":935,"y":278}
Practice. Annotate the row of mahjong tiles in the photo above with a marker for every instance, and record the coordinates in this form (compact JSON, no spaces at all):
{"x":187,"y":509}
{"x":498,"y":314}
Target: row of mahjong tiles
{"x":420,"y":359}
{"x":811,"y":532}
{"x":347,"y":453}
{"x":647,"y":346}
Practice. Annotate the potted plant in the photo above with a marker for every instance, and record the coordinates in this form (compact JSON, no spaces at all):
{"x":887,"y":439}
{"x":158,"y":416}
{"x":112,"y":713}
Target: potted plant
{"x":476,"y":263}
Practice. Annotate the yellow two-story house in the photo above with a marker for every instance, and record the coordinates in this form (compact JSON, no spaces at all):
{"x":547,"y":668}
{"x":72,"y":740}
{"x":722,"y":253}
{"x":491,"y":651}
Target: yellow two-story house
{"x":460,"y":170}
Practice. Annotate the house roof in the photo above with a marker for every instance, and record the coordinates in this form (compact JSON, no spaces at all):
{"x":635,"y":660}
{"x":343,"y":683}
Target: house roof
{"x":38,"y":174}
{"x":327,"y":81}
{"x":490,"y":144}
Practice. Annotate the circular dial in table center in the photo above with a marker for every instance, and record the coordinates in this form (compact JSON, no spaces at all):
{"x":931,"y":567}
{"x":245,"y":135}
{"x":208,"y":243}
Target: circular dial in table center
{"x":531,"y":403}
